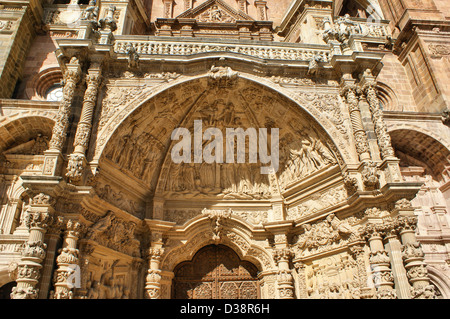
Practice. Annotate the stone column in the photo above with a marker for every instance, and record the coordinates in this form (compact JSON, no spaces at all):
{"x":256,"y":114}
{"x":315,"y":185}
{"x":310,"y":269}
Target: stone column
{"x":77,"y":160}
{"x":53,"y":156}
{"x":285,"y":280}
{"x":350,"y":92}
{"x":68,"y":274}
{"x":380,"y":263}
{"x":384,"y":139}
{"x":153,"y":279}
{"x":33,"y":253}
{"x":413,"y":258}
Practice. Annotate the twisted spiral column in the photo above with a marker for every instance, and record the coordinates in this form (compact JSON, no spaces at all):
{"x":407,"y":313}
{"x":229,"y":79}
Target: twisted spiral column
{"x":77,"y":160}
{"x":71,"y":78}
{"x":350,"y":92}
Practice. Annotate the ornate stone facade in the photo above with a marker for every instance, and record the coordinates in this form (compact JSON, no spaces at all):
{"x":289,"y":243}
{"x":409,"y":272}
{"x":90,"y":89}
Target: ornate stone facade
{"x":93,"y":205}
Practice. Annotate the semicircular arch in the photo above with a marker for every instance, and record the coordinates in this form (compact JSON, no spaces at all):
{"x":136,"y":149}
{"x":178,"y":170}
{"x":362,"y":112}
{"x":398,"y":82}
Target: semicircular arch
{"x":137,"y":140}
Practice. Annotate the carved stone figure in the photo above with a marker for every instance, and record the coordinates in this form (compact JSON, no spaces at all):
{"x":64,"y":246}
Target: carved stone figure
{"x":91,"y":11}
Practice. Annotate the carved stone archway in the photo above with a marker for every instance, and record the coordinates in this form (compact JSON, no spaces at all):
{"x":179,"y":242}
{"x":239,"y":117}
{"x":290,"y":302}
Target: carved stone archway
{"x":215,"y":272}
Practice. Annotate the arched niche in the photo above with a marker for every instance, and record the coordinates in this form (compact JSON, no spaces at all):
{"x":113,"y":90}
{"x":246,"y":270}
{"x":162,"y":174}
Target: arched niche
{"x":137,"y":145}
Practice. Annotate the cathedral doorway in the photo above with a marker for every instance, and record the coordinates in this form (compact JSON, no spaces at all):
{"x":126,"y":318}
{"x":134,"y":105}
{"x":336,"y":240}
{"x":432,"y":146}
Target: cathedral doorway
{"x":216,"y":272}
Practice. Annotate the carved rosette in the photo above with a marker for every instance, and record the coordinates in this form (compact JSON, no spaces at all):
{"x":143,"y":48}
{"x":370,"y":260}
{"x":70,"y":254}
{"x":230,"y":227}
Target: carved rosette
{"x":71,"y":78}
{"x":351,"y":92}
{"x":383,"y":137}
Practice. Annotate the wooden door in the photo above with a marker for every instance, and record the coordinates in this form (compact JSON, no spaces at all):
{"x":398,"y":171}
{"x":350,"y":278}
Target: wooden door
{"x":216,"y":272}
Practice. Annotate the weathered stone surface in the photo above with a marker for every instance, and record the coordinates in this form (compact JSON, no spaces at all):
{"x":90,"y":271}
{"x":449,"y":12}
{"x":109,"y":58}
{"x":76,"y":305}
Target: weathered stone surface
{"x":355,"y":204}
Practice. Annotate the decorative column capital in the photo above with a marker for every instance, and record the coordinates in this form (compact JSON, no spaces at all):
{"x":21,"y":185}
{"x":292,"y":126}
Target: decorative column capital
{"x":155,"y":253}
{"x":282,"y":255}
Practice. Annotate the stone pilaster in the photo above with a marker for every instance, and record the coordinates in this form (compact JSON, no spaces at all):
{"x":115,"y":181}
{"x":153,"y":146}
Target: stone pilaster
{"x":68,"y":274}
{"x":261,"y":8}
{"x":34,"y":250}
{"x":242,"y":5}
{"x":301,"y":280}
{"x":77,"y":160}
{"x":187,"y":4}
{"x":168,"y":8}
{"x":358,"y":254}
{"x":413,"y":258}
